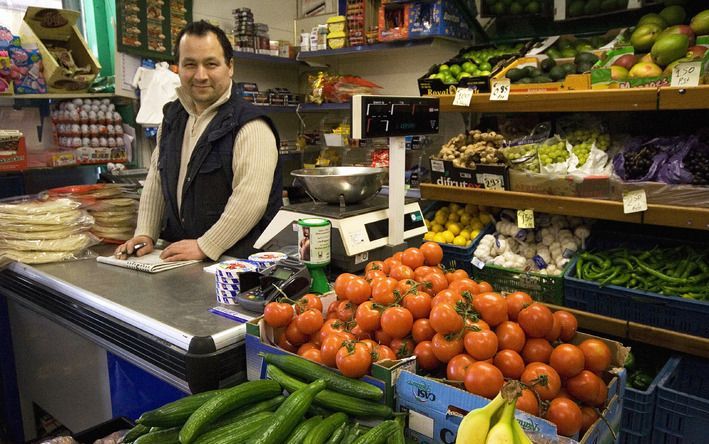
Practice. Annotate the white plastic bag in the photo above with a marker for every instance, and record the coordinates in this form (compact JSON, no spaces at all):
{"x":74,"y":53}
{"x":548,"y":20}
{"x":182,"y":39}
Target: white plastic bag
{"x":157,"y":88}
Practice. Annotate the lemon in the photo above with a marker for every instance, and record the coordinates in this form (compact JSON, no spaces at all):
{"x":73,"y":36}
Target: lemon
{"x":469,"y":243}
{"x":453,"y":227}
{"x":453,"y":217}
{"x":441,"y":218}
{"x":465,"y":234}
{"x":465,"y":219}
{"x":437,"y":228}
{"x":485,"y":218}
{"x":471,"y":209}
{"x":429,"y":236}
{"x":460,"y":241}
{"x":439,"y":237}
{"x":428,"y":223}
{"x":448,"y":236}
{"x":454,"y":206}
{"x":476,"y":225}
{"x":474,"y":234}
{"x":443,"y":210}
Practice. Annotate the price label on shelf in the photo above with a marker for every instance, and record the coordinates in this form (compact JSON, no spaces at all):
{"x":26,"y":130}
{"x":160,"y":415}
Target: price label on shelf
{"x":634,"y":201}
{"x":463,"y":97}
{"x":500,"y":89}
{"x":634,"y":4}
{"x":686,"y":74}
{"x":491,"y":181}
{"x":525,"y":218}
{"x":477,"y":263}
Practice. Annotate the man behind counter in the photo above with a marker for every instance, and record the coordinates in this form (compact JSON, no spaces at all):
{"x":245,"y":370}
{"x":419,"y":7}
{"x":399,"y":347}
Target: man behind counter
{"x":214,"y":181}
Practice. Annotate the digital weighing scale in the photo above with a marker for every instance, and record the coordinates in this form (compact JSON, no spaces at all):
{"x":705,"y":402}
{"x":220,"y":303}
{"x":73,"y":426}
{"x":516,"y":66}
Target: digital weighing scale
{"x":374,"y":228}
{"x":288,"y":278}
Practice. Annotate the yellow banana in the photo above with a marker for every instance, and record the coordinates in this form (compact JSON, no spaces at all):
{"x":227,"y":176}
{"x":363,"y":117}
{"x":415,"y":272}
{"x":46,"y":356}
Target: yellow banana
{"x":520,"y":436}
{"x":502,"y":433}
{"x":475,"y":425}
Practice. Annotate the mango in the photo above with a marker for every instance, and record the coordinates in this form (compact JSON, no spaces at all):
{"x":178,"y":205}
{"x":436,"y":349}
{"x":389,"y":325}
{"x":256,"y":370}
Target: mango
{"x":669,"y":48}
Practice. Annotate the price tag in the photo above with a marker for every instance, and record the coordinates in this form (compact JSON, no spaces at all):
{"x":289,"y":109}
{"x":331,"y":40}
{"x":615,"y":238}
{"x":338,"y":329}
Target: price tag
{"x":634,"y":4}
{"x":634,"y":201}
{"x":686,"y":74}
{"x":559,"y":10}
{"x":478,"y":263}
{"x":500,"y":89}
{"x":463,"y":97}
{"x":491,"y":181}
{"x":525,"y":218}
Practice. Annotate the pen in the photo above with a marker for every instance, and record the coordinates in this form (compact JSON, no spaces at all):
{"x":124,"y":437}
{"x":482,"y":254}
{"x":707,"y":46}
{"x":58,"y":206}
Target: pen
{"x":136,"y":247}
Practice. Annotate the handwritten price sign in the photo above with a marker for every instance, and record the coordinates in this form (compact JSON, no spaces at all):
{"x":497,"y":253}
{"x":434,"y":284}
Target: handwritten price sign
{"x":463,"y":97}
{"x":525,"y":218}
{"x":634,"y":201}
{"x":500,"y":89}
{"x":491,"y":181}
{"x":686,"y":74}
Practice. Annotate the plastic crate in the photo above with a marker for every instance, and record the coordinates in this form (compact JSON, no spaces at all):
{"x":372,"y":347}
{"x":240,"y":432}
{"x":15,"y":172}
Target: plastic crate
{"x":682,"y":411}
{"x":540,"y":286}
{"x":639,"y":409}
{"x":104,"y":429}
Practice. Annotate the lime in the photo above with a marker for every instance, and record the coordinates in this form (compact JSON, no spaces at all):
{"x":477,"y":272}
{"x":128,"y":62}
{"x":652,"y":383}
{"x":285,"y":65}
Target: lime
{"x":455,"y":69}
{"x":498,"y":8}
{"x":443,"y":68}
{"x":485,"y":66}
{"x":468,"y":67}
{"x":464,"y":74}
{"x":516,"y":8}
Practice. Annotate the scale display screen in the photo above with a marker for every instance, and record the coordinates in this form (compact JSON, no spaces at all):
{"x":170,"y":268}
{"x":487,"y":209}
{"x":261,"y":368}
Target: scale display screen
{"x":382,"y":116}
{"x":380,"y":229}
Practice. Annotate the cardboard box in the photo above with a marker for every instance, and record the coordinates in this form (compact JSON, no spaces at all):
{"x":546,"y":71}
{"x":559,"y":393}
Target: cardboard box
{"x":436,"y":409}
{"x":13,"y":153}
{"x":260,"y":338}
{"x":572,"y":82}
{"x":57,"y":27}
{"x":393,"y":22}
{"x":483,"y":176}
{"x":438,"y":18}
{"x":597,"y":187}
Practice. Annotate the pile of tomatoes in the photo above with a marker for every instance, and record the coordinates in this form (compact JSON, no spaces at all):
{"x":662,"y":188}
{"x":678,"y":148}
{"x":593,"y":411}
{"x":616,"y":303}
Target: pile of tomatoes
{"x":409,"y":305}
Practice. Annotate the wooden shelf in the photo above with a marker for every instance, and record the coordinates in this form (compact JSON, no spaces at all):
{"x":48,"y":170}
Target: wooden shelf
{"x":264,"y":58}
{"x":696,"y":97}
{"x":665,"y":215}
{"x":672,"y":340}
{"x":377,"y":47}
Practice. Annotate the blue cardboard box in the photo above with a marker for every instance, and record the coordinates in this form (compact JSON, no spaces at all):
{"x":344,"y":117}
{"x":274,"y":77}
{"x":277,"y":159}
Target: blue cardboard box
{"x":437,"y":18}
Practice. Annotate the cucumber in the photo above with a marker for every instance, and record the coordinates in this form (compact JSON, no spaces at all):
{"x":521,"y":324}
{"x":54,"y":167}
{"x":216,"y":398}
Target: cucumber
{"x":135,"y":433}
{"x":236,"y":432}
{"x":378,"y":434}
{"x":332,"y":400}
{"x":303,"y":429}
{"x":268,"y":405}
{"x":316,"y":410}
{"x":226,"y":401}
{"x":325,"y":429}
{"x":164,"y":436}
{"x":176,"y":413}
{"x":398,"y":436}
{"x":352,"y":434}
{"x":309,"y":371}
{"x":288,"y":415}
{"x":338,"y":434}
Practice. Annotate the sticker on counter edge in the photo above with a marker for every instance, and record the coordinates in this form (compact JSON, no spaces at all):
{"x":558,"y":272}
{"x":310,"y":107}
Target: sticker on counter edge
{"x":219,"y":311}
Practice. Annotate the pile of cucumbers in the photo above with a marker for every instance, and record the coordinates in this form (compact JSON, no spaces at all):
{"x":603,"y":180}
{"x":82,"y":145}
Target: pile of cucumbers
{"x":320,"y":408}
{"x":551,"y":71}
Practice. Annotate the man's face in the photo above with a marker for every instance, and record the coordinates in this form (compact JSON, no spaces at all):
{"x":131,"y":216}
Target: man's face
{"x":203,"y":70}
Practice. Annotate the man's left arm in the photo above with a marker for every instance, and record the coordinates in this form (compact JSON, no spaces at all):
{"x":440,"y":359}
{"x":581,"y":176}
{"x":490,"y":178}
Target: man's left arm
{"x":254,"y":161}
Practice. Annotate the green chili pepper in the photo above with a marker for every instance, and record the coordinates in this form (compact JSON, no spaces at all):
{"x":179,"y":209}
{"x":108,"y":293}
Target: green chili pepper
{"x":640,"y":380}
{"x":629,"y":363}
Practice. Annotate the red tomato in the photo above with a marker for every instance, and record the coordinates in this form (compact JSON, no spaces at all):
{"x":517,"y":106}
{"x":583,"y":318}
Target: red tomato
{"x":422,"y":271}
{"x":397,"y":321}
{"x":329,"y":348}
{"x":555,"y":331}
{"x":278,"y":314}
{"x":425,"y":357}
{"x":398,"y":255}
{"x":382,"y":337}
{"x":401,"y":272}
{"x":295,"y":336}
{"x":455,"y":275}
{"x":305,"y":347}
{"x":473,"y":325}
{"x":422,"y":330}
{"x":373,"y":274}
{"x":402,"y":347}
{"x":510,"y":336}
{"x":568,"y":324}
{"x":444,"y":319}
{"x":332,"y":310}
{"x":309,"y":321}
{"x":313,"y":355}
{"x":383,"y":291}
{"x":587,"y":388}
{"x":536,"y":320}
{"x":510,"y":363}
{"x":378,"y":266}
{"x":463,"y":285}
{"x":434,"y":283}
{"x":532,"y":376}
{"x":567,"y":360}
{"x":445,"y":348}
{"x":483,"y":379}
{"x":432,"y":253}
{"x":516,"y":302}
{"x":447,"y":296}
{"x":597,"y":355}
{"x":358,"y":290}
{"x":382,"y":353}
{"x":360,"y":334}
{"x":492,"y":307}
{"x":341,"y":283}
{"x":528,"y":402}
{"x":390,"y":263}
{"x":346,"y":311}
{"x":408,"y":286}
{"x":481,"y":345}
{"x":588,"y":417}
{"x":537,"y":350}
{"x":566,"y":415}
{"x":354,"y":360}
{"x":367,"y":317}
{"x":419,"y":304}
{"x":369,"y":343}
{"x":283,"y":342}
{"x":310,"y":300}
{"x":485,"y":287}
{"x":412,"y":257}
{"x":455,"y":370}
{"x":332,"y":326}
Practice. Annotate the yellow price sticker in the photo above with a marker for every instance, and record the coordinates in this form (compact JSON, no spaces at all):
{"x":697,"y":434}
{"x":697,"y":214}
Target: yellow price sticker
{"x":634,"y":201}
{"x":525,"y":218}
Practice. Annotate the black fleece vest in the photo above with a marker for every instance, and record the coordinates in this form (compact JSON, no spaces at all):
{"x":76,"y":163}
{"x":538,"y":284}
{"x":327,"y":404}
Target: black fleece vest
{"x":208,"y":182}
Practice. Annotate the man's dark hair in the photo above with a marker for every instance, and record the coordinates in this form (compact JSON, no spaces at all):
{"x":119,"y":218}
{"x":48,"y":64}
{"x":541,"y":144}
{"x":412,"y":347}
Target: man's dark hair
{"x":201,"y":28}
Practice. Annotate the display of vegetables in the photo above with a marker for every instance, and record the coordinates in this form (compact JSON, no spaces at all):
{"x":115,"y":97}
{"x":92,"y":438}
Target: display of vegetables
{"x":673,"y":271}
{"x":545,"y":249}
{"x":466,"y":150}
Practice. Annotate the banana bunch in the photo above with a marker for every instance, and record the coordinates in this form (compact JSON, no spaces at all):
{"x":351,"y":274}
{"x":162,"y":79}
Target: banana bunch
{"x":476,"y":426}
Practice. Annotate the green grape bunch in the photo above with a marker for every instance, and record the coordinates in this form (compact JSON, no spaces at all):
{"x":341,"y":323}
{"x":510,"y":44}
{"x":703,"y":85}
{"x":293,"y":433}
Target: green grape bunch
{"x":554,"y":152}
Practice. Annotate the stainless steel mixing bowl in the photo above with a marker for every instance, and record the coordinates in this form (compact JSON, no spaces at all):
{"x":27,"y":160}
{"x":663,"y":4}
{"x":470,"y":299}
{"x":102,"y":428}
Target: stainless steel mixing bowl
{"x":354,"y":183}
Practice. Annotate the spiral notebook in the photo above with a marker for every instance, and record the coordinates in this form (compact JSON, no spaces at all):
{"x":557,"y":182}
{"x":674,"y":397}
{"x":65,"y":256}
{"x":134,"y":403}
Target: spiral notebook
{"x":150,"y":263}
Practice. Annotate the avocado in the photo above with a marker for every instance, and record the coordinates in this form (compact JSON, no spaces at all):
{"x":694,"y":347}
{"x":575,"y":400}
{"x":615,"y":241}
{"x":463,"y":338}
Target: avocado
{"x":569,"y":68}
{"x":563,"y":44}
{"x":568,"y":52}
{"x":528,"y":71}
{"x":541,"y":79}
{"x":534,"y":72}
{"x":557,"y":73}
{"x":586,"y":57}
{"x":548,"y":64}
{"x":524,"y":80}
{"x":515,"y":74}
{"x":553,"y":53}
{"x":583,"y":67}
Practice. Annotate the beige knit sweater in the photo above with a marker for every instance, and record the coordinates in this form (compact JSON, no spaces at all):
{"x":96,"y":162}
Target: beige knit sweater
{"x":254,"y":160}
